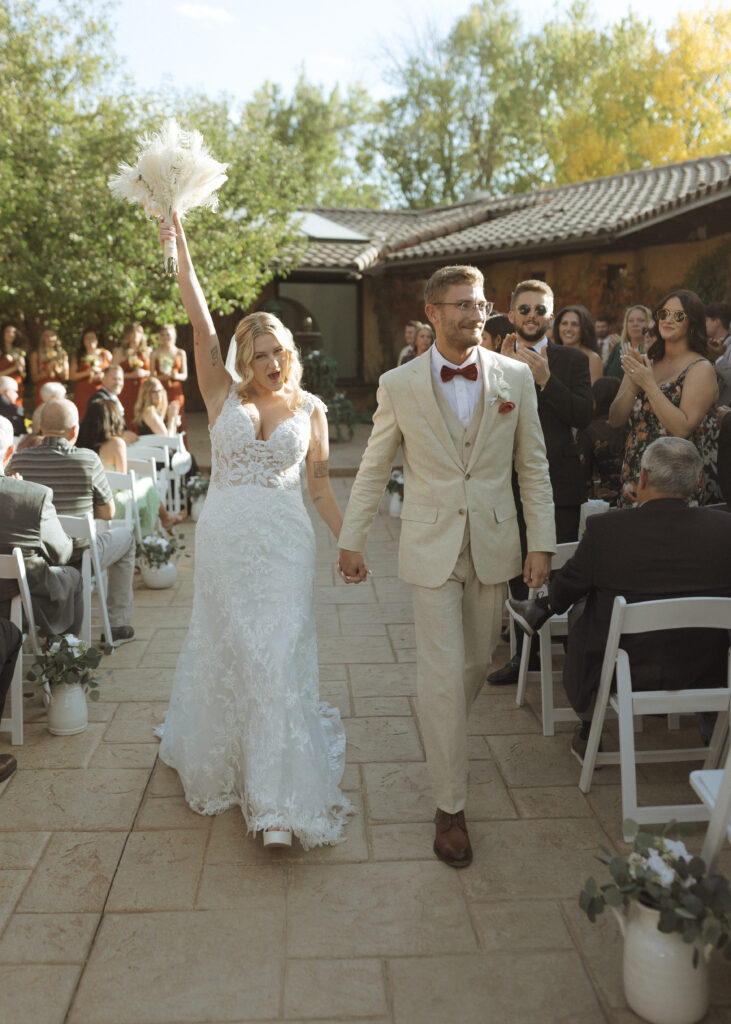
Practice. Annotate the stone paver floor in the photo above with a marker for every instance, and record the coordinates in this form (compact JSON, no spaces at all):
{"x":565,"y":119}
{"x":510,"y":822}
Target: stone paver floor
{"x":119,"y":905}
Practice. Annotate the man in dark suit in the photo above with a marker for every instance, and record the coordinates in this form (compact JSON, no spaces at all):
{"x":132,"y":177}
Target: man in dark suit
{"x":28,"y":520}
{"x":565,"y":401}
{"x":8,"y":408}
{"x":660,"y":549}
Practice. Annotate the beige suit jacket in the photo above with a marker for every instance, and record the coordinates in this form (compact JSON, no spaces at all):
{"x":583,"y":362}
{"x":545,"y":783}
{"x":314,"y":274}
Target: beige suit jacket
{"x":441,"y":489}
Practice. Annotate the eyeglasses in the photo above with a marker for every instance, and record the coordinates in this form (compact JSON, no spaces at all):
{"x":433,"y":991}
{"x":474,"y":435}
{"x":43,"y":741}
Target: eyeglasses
{"x":670,"y":314}
{"x":648,"y":330}
{"x":524,"y":310}
{"x":465,"y":308}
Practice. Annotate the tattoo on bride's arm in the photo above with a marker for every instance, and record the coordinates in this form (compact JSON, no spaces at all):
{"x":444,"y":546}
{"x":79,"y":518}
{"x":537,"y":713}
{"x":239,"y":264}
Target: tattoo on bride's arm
{"x":319,"y":469}
{"x":214,"y":354}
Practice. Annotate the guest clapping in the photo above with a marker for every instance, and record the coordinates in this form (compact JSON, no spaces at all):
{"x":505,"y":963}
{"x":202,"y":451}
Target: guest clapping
{"x":670,"y":391}
{"x":574,"y":327}
{"x":637,"y":321}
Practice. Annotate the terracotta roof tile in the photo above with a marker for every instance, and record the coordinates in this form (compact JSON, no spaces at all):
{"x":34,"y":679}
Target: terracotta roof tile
{"x":484,"y":224}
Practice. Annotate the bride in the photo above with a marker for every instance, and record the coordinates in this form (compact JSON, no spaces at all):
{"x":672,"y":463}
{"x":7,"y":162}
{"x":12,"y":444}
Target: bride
{"x":245,"y":724}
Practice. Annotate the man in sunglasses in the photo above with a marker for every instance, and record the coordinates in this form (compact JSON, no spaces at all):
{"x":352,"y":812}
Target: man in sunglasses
{"x":565,"y":402}
{"x":464,"y":417}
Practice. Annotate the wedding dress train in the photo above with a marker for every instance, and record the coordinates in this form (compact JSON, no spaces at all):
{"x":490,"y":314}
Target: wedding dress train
{"x":245,"y":724}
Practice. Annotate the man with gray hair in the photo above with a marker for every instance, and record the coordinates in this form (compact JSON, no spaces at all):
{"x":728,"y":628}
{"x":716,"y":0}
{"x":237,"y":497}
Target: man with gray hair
{"x":8,"y":407}
{"x":79,"y":484}
{"x":662,"y":548}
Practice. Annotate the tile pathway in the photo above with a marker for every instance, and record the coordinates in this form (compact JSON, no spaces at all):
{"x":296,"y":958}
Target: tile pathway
{"x":119,"y":905}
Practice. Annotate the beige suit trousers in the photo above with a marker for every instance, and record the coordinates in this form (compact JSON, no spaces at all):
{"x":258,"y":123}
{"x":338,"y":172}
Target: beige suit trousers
{"x":457,"y":628}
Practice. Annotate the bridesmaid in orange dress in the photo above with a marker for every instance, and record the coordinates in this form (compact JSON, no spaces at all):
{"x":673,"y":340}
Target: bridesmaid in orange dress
{"x":12,"y":359}
{"x":133,"y":355}
{"x":170,"y":366}
{"x":48,"y":362}
{"x":88,"y":364}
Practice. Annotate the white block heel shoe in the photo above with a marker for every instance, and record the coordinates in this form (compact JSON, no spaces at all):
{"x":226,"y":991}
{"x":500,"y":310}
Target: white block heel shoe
{"x":276,"y":836}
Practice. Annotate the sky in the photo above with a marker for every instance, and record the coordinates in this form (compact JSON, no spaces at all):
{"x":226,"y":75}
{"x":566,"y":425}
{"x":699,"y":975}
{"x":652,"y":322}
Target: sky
{"x":233,"y":46}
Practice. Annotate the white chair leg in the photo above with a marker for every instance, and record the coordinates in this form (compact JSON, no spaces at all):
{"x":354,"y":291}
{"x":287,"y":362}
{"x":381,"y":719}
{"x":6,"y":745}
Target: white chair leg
{"x":544,"y":640}
{"x":523,"y":671}
{"x":626,"y":746}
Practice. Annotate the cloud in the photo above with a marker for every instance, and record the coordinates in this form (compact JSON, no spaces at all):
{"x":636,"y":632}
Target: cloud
{"x":206,"y":14}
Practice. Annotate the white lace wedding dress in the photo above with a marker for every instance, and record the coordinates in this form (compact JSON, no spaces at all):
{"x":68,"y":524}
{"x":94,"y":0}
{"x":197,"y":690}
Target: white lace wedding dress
{"x":245,"y":724}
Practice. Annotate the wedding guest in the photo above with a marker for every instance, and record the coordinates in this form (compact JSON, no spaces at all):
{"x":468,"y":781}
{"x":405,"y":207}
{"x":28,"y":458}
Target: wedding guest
{"x":637,"y":319}
{"x":602,"y":446}
{"x":495,"y":329}
{"x":724,"y":453}
{"x":410,"y":330}
{"x":423,"y":340}
{"x":11,"y":642}
{"x":29,"y":521}
{"x":170,"y":365}
{"x":153,"y":413}
{"x":88,"y":364}
{"x":605,"y":339}
{"x":12,"y":358}
{"x":9,"y":407}
{"x":718,"y":326}
{"x":51,"y":391}
{"x":662,"y":549}
{"x":102,"y":431}
{"x":670,"y":390}
{"x":48,"y":362}
{"x":573,"y":326}
{"x":133,"y":355}
{"x":111,"y":387}
{"x":79,"y":484}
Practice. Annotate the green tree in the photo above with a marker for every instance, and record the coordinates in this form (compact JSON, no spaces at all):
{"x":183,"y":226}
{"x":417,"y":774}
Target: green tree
{"x":71,"y":254}
{"x":327,"y":137}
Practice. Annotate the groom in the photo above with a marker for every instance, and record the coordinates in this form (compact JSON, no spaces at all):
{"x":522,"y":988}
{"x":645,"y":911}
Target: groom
{"x":463,"y":416}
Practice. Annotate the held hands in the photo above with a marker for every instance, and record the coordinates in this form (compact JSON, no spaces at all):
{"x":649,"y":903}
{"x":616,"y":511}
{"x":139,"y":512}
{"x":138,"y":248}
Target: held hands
{"x":351,"y":566}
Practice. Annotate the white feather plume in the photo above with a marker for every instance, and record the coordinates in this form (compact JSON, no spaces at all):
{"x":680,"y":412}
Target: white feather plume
{"x":174,"y":173}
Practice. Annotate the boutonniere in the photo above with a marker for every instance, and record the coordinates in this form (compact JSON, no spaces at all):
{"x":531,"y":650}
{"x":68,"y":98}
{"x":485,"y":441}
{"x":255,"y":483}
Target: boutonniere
{"x":502,"y":393}
{"x":506,"y":407}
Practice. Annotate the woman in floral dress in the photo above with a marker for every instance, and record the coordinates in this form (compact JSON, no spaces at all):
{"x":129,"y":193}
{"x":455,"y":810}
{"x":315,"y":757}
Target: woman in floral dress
{"x":670,"y":391}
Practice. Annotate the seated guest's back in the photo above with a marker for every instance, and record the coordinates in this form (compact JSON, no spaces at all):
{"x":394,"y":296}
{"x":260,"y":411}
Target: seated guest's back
{"x":28,"y":520}
{"x":79,"y":484}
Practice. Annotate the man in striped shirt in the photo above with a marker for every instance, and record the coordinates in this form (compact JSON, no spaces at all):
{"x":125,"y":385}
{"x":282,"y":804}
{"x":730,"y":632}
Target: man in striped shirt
{"x":79,"y":484}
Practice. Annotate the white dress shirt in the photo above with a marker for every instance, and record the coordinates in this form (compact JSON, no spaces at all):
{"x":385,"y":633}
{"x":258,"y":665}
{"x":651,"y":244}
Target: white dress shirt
{"x":540,"y":345}
{"x":461,"y":393}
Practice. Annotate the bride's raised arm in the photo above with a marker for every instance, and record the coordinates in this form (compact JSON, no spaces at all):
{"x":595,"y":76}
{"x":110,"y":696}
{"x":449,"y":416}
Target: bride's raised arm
{"x":214,"y":380}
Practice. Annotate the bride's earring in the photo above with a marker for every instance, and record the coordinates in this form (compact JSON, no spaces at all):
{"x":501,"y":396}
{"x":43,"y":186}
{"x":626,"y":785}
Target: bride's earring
{"x":277,"y":836}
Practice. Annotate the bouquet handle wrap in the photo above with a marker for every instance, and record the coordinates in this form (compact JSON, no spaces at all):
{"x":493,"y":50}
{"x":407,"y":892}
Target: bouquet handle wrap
{"x":170,"y":254}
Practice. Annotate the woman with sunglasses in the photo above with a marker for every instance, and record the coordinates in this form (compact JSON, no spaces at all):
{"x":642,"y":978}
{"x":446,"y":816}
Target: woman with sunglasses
{"x":670,"y":391}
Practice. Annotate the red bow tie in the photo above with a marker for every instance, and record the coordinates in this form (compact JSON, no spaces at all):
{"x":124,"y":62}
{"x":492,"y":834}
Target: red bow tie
{"x":470,"y":372}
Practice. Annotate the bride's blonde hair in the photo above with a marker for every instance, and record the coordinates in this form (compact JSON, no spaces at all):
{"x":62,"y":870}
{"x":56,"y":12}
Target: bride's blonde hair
{"x":247,"y":331}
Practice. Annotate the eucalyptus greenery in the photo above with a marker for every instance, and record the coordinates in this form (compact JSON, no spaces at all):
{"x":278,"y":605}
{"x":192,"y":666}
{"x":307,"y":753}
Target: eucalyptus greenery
{"x":158,"y":550}
{"x":197,"y":486}
{"x":66,"y":659}
{"x":661,"y":874}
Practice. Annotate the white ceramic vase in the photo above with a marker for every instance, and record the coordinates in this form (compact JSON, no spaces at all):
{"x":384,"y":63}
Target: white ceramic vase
{"x":196,"y":507}
{"x":396,"y":504}
{"x":158,"y":577}
{"x":660,"y":982}
{"x":66,"y":706}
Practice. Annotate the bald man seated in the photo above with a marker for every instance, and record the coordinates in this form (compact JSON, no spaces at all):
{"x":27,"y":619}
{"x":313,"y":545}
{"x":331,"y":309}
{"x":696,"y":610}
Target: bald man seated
{"x":79,"y":485}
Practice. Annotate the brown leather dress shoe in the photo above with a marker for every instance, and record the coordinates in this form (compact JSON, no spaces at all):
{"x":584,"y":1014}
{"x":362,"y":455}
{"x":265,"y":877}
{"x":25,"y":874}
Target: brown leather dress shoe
{"x":8,"y":764}
{"x":452,"y":844}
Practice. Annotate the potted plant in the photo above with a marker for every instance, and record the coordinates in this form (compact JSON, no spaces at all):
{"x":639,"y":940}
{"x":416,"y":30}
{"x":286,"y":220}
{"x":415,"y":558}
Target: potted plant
{"x":672,"y":915}
{"x":195,"y":492}
{"x":66,"y":668}
{"x":395,"y":488}
{"x":158,"y":555}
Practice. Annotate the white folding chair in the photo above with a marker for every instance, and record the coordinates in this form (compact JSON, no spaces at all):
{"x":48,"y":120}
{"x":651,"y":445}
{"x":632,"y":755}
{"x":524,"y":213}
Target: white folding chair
{"x":645,"y":617}
{"x":92,"y":575}
{"x":12,"y":567}
{"x":556,"y":626}
{"x":126,"y":482}
{"x":163,"y":473}
{"x":713,"y":786}
{"x":178,"y":464}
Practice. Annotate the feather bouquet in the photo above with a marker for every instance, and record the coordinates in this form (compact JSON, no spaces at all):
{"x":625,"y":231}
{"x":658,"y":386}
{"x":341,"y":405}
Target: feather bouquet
{"x":174,"y":173}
